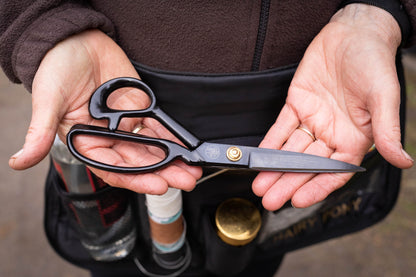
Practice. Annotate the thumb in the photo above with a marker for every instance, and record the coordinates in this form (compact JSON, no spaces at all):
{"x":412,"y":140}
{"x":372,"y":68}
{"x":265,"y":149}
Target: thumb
{"x":41,"y":132}
{"x":385,"y":114}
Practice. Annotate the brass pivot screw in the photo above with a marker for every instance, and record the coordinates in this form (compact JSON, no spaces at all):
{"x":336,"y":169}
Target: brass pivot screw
{"x":234,"y":154}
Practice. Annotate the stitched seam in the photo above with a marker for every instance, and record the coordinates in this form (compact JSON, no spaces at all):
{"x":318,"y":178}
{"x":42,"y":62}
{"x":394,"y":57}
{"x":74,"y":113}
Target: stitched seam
{"x":261,"y":35}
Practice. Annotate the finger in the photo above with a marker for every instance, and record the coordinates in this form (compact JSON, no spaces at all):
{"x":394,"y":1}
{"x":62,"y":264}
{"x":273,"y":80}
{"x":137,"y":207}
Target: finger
{"x":128,"y":99}
{"x":41,"y":132}
{"x":149,"y":183}
{"x":131,"y":154}
{"x":118,"y":153}
{"x":178,"y":177}
{"x":193,"y":170}
{"x":386,"y":128}
{"x":288,"y":183}
{"x":124,"y":154}
{"x":181,"y":177}
{"x":278,"y":134}
{"x":160,"y":130}
{"x":318,"y":188}
{"x":297,"y":142}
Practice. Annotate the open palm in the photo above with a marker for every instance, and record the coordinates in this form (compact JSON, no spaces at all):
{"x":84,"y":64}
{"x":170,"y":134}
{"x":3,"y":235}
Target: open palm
{"x":63,"y":84}
{"x":346,"y":93}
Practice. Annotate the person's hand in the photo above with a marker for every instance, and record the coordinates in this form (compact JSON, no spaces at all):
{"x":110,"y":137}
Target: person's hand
{"x":62,"y":86}
{"x":346,"y":93}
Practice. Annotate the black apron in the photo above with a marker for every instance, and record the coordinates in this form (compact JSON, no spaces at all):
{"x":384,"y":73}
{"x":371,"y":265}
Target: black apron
{"x":235,"y":108}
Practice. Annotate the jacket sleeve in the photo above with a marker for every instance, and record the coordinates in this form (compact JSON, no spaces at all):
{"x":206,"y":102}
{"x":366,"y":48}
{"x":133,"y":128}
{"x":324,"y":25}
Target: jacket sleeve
{"x":28,"y":29}
{"x":404,"y":11}
{"x":410,"y":7}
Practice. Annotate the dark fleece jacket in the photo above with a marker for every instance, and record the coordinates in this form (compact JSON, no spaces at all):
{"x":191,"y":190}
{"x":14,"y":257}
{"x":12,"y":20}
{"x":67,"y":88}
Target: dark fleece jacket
{"x":190,"y":35}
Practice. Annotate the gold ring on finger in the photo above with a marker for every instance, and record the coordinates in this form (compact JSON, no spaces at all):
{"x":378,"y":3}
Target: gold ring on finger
{"x":138,"y":128}
{"x":300,"y":127}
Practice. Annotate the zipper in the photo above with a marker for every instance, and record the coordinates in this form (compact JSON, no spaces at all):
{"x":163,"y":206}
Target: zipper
{"x":261,"y":34}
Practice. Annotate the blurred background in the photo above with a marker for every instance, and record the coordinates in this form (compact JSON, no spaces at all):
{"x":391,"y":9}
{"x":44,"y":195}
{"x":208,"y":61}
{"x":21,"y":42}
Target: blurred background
{"x":386,"y":249}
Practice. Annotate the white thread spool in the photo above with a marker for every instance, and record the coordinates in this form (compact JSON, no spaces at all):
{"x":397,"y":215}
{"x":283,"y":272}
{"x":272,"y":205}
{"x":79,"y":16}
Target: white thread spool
{"x":167,"y":225}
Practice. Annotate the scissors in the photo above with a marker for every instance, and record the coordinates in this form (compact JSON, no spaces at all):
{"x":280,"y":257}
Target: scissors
{"x":196,"y":152}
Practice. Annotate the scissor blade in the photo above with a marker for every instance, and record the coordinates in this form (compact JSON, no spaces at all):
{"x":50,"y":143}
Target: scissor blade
{"x":285,"y":161}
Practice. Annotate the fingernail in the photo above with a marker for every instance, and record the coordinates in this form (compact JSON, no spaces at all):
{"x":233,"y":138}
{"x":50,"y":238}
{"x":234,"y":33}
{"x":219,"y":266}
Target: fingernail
{"x":17,"y":154}
{"x":407,"y":155}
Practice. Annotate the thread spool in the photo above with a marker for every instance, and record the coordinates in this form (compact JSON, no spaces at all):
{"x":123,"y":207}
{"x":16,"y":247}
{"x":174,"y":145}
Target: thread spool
{"x":167,"y":228}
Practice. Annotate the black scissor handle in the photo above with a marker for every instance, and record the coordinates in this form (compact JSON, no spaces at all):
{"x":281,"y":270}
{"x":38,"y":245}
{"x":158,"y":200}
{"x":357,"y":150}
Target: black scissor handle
{"x":98,"y":103}
{"x":172,"y":150}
